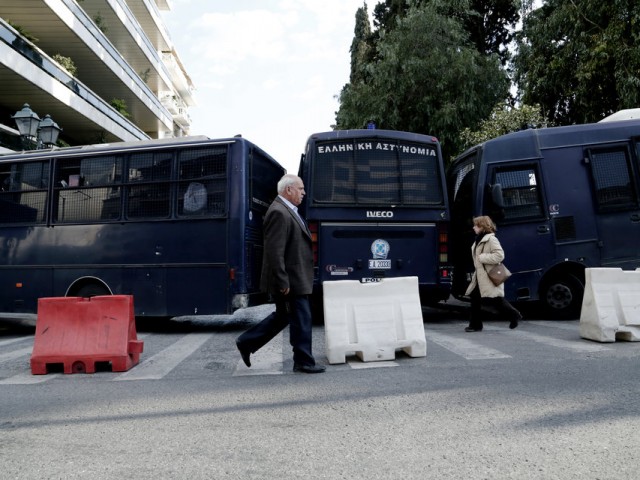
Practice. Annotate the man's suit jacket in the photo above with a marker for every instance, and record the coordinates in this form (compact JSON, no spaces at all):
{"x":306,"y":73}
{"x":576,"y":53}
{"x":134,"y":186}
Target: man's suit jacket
{"x":288,"y":254}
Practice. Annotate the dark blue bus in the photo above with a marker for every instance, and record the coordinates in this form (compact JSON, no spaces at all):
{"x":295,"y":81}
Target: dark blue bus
{"x":377,"y":207}
{"x":564,"y":199}
{"x":177,"y":223}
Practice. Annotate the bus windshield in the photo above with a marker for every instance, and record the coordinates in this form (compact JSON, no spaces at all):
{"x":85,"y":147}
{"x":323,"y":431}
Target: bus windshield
{"x":372,"y":171}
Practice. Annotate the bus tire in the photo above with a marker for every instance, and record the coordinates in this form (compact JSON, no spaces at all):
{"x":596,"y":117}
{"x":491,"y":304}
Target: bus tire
{"x":562,"y":297}
{"x":92,"y":290}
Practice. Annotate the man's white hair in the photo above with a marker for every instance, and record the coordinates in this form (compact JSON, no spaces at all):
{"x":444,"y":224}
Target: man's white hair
{"x":286,"y":181}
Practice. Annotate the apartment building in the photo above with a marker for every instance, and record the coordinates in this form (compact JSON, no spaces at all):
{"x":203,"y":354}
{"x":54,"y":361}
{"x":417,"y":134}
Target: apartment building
{"x":104,"y":70}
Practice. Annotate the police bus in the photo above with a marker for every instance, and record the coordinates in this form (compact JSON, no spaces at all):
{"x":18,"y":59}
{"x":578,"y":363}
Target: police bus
{"x":177,"y":223}
{"x":563,"y":198}
{"x":377,"y":208}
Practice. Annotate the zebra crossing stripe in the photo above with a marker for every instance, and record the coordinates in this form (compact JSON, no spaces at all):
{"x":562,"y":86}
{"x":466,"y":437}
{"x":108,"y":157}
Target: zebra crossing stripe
{"x":579,"y":345}
{"x":266,"y":361}
{"x":14,"y":340}
{"x":163,"y":362}
{"x":7,"y":357}
{"x":363,"y":365}
{"x":28,"y":379}
{"x":467,"y":349}
{"x":570,"y":327}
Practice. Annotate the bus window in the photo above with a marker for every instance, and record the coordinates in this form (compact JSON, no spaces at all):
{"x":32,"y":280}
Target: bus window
{"x":263,"y":184}
{"x":520,"y":194}
{"x":23,"y":195}
{"x":368,"y":171}
{"x":612,"y":176}
{"x":202,"y":187}
{"x":84,"y":185}
{"x":149,"y":189}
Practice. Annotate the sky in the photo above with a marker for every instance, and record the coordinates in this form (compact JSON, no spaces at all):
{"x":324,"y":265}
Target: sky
{"x":269,"y":70}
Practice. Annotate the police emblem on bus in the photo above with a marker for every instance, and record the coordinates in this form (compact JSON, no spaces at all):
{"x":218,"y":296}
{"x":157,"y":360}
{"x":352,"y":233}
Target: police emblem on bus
{"x":380,"y":248}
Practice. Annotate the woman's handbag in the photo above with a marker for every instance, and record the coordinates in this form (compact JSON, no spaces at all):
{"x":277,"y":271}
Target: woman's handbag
{"x":499,"y":274}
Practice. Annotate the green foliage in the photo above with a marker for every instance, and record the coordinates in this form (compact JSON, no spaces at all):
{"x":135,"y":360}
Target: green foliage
{"x":580,"y":60}
{"x":490,"y":26}
{"x":360,"y":46}
{"x":427,"y":78}
{"x":23,"y":32}
{"x":144,"y":76}
{"x":489,"y":23}
{"x":121,"y":106}
{"x":66,"y":63}
{"x":503,"y":119}
{"x":99,"y":21}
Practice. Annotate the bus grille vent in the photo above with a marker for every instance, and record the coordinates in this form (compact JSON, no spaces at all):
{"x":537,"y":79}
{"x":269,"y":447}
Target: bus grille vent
{"x":565,"y":229}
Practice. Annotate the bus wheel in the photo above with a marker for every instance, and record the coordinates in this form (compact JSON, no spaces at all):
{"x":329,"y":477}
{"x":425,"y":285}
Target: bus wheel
{"x":562,"y":297}
{"x":92,"y":290}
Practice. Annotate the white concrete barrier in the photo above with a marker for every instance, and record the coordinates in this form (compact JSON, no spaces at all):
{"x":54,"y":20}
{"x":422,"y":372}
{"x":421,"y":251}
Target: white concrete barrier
{"x":611,"y":305}
{"x":373,"y":320}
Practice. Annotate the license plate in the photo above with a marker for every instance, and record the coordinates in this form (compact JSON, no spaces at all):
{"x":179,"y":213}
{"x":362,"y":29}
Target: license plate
{"x":379,"y":264}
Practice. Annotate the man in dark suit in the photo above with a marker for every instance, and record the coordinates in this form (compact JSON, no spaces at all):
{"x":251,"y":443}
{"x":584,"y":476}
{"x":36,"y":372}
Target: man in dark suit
{"x":287,"y":274}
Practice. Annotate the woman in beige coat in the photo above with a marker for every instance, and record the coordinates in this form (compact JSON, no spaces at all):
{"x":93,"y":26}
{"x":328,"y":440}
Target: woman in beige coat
{"x":487,"y":252}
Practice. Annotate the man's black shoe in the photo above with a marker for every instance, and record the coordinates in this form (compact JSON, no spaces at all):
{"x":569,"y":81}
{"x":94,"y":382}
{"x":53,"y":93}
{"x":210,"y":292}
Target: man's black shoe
{"x":308,"y":368}
{"x":245,"y":354}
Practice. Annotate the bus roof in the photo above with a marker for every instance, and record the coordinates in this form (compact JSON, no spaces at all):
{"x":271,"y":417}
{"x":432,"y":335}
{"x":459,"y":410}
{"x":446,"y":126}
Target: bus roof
{"x":98,"y":147}
{"x":528,"y":144}
{"x":371,"y":133}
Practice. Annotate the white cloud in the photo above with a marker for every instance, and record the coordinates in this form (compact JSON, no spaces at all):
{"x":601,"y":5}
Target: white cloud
{"x":268,"y":69}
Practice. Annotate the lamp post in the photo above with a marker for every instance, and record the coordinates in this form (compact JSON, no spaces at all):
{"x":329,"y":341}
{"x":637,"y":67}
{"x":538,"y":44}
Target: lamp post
{"x":42,"y":132}
{"x":49,"y":130}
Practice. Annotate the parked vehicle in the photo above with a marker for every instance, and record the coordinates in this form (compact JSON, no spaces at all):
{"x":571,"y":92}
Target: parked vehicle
{"x":564,"y":199}
{"x":377,"y":207}
{"x":177,"y":223}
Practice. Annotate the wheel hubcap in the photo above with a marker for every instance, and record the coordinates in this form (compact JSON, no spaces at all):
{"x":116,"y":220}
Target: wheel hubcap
{"x":559,"y":296}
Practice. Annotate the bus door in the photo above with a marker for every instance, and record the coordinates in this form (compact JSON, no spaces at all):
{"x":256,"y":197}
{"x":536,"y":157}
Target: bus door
{"x":515,"y":202}
{"x":369,"y":252}
{"x":616,"y":203}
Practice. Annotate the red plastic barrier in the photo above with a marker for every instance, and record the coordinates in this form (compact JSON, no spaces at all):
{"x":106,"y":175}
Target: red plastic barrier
{"x":80,"y":332}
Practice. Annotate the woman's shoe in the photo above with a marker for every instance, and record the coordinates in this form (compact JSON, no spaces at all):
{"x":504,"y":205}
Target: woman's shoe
{"x":514,"y":323}
{"x":471,"y":329}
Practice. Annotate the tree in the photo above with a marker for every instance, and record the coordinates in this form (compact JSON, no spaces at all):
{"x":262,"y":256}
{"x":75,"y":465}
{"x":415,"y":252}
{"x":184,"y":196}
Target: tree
{"x":504,"y":119}
{"x":428,"y":78}
{"x":489,"y":22}
{"x":490,"y":26}
{"x":360,"y":46}
{"x":580,"y":59}
{"x":386,"y":13}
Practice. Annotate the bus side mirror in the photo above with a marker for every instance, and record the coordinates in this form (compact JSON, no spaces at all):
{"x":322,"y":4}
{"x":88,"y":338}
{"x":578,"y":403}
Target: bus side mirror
{"x":497,"y":200}
{"x":496,"y":195}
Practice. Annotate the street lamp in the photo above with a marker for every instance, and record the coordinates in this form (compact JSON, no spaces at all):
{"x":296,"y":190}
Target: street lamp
{"x":49,"y":130}
{"x":43,"y":132}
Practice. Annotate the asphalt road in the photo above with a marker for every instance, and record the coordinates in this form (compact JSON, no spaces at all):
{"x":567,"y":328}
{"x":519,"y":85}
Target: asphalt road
{"x":537,"y":402}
